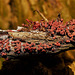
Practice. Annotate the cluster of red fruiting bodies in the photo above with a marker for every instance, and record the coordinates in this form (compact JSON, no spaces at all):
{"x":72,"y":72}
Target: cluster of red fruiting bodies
{"x":4,"y":47}
{"x":19,"y":47}
{"x":30,"y":47}
{"x":53,"y":28}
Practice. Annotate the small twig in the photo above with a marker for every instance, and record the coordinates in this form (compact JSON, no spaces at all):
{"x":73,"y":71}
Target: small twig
{"x":41,"y":15}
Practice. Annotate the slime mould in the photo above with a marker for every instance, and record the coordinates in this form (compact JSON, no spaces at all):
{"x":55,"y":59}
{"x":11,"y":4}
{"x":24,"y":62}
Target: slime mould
{"x":43,"y":38}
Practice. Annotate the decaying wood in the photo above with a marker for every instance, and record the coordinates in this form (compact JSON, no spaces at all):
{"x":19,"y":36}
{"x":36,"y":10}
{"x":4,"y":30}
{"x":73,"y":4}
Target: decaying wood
{"x":35,"y":36}
{"x":39,"y":37}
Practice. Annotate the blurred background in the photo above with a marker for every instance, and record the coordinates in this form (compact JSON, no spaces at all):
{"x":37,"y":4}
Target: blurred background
{"x":14,"y":12}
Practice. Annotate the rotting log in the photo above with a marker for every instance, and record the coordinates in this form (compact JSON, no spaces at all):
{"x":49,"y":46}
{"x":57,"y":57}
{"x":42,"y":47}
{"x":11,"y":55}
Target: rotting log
{"x":34,"y":48}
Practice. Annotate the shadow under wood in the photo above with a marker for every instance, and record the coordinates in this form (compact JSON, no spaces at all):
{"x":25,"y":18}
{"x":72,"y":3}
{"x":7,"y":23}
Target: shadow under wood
{"x":37,"y":65}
